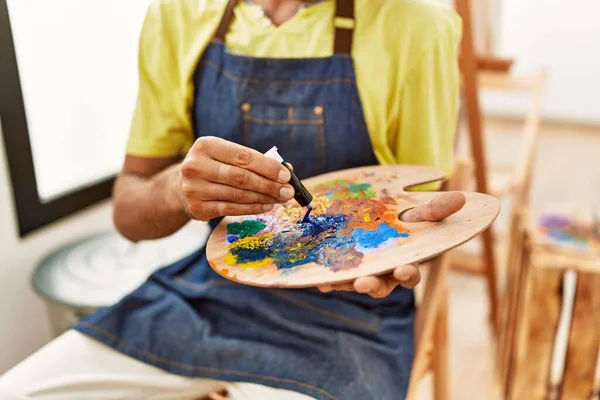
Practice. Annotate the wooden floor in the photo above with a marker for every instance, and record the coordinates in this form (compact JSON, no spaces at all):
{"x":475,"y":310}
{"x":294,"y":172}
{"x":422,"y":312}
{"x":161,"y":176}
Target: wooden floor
{"x":567,"y":174}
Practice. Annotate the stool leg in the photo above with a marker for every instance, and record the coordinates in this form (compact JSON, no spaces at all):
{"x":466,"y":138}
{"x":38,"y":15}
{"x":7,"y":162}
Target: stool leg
{"x":440,"y":352}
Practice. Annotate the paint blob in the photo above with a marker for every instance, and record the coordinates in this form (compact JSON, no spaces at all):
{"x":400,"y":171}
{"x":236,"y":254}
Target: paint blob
{"x":245,"y":228}
{"x":348,"y":220}
{"x":563,"y":230}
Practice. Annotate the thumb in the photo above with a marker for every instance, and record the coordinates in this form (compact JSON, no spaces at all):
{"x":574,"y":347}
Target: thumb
{"x":437,"y":209}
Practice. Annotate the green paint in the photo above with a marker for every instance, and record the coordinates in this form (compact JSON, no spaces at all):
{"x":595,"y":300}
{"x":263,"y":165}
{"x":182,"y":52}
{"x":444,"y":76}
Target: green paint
{"x":359,"y":187}
{"x":340,"y":189}
{"x":361,"y":191}
{"x":245,"y":228}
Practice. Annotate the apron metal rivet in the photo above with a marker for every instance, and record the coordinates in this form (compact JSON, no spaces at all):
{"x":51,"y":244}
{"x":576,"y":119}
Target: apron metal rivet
{"x":318,"y":110}
{"x":246,"y":107}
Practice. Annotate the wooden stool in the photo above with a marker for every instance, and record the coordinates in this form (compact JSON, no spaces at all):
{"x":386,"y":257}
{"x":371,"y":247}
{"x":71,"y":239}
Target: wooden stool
{"x":552,"y":335}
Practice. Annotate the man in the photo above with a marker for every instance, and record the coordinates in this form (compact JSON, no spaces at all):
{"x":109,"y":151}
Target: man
{"x":334,"y":84}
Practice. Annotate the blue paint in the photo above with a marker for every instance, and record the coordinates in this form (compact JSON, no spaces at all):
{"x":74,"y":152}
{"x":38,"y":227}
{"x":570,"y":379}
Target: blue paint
{"x":319,"y":224}
{"x":291,"y":249}
{"x":340,"y":242}
{"x":373,"y":239}
{"x":305,"y":219}
{"x":232,"y":238}
{"x":284,"y":263}
{"x":247,"y":255}
{"x":307,"y":243}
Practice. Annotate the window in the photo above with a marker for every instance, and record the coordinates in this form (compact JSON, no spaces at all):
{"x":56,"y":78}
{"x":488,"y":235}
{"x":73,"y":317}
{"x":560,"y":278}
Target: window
{"x":69,"y":76}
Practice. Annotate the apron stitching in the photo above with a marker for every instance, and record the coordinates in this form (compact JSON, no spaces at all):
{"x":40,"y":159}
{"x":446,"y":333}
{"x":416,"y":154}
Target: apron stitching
{"x":322,"y":143}
{"x":291,"y":133}
{"x":373,"y":326}
{"x":156,"y":358}
{"x":262,"y":80}
{"x":361,"y":121}
{"x":246,"y":131}
{"x":222,"y":43}
{"x":272,"y":121}
{"x":355,"y":103}
{"x":200,"y":286}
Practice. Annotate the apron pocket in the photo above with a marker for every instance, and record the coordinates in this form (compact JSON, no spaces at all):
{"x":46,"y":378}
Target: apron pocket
{"x":298,"y":132}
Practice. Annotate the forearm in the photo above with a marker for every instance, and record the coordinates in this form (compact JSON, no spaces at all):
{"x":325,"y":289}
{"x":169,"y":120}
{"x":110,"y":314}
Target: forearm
{"x":148,"y":207}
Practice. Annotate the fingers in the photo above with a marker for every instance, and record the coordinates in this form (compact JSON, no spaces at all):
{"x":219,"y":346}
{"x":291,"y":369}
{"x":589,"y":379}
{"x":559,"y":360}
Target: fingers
{"x":219,"y":178}
{"x":207,"y":191}
{"x":437,"y":209}
{"x":236,"y":177}
{"x":243,"y":157}
{"x":346,"y":287}
{"x":375,"y":286}
{"x":213,"y":209}
{"x":407,"y":276}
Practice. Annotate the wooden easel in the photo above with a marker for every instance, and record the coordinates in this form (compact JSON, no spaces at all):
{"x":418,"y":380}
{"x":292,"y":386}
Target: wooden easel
{"x":469,"y":70}
{"x":494,"y":74}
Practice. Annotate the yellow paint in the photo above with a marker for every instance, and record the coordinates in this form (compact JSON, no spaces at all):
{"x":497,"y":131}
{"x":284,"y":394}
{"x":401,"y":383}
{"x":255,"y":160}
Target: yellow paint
{"x":249,"y":243}
{"x":231,"y":260}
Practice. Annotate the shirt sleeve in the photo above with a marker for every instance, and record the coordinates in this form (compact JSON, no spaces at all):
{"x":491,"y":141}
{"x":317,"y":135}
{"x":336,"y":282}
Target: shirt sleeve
{"x":429,"y":107}
{"x":160,"y":125}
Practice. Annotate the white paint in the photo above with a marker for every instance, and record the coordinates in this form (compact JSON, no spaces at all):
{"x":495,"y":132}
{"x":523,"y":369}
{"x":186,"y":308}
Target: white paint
{"x":561,"y":37}
{"x":78,"y":65}
{"x":24,"y":325}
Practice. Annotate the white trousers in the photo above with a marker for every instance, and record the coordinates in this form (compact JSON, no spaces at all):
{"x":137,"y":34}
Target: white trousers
{"x":76,"y":367}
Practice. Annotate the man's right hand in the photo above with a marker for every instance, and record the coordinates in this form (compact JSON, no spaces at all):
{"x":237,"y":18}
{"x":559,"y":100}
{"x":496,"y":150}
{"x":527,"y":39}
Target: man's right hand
{"x":220,"y":178}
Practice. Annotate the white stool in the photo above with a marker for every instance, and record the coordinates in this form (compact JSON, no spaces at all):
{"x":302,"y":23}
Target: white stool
{"x":97,"y":271}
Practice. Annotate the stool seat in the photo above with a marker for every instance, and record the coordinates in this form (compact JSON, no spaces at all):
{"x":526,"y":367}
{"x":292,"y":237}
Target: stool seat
{"x":98,"y":270}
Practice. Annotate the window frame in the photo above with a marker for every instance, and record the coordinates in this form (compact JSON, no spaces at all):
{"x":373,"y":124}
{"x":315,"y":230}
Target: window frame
{"x":32,"y":213}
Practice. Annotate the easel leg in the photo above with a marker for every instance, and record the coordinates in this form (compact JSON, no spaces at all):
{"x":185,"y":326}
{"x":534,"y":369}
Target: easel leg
{"x":469,"y":70}
{"x":440,"y":352}
{"x":490,"y":272}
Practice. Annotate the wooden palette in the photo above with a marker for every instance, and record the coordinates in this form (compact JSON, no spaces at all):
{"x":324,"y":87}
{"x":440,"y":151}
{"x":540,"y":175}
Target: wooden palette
{"x":353,"y":230}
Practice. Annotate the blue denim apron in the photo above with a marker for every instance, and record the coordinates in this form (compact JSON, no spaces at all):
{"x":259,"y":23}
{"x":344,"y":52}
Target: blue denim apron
{"x":188,"y":320}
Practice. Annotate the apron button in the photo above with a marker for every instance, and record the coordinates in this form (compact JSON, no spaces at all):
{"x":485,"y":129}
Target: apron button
{"x":246,"y":107}
{"x":318,"y":110}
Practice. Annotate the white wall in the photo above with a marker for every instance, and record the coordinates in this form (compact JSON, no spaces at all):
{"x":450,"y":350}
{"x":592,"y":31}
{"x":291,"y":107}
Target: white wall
{"x":563,"y":37}
{"x":24,"y":326}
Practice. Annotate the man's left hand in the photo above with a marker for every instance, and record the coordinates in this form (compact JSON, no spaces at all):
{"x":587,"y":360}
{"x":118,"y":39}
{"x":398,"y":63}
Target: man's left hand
{"x":406,"y":276}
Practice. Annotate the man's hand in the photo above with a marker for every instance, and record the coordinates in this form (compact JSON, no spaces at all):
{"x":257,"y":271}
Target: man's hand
{"x":407,"y":276}
{"x":220,"y":178}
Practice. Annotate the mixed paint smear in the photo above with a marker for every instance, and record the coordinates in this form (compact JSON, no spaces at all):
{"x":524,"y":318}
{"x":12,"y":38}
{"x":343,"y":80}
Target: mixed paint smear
{"x":564,"y":231}
{"x":348,"y":220}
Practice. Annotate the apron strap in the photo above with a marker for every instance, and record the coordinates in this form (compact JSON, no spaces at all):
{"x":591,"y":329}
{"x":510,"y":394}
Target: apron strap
{"x":225,"y":21}
{"x":343,"y":22}
{"x":344,"y":26}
